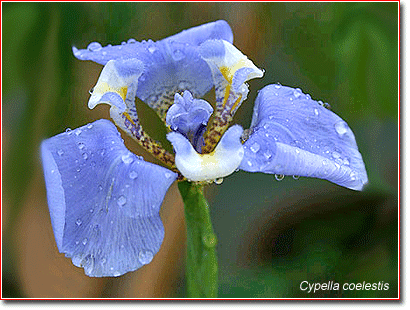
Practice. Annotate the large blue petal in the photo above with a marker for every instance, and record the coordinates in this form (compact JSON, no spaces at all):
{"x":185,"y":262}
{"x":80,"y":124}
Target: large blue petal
{"x":104,"y":201}
{"x":291,"y":134}
{"x":171,"y":65}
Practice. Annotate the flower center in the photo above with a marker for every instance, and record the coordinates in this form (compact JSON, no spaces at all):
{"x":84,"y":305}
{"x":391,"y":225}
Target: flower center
{"x":223,"y":161}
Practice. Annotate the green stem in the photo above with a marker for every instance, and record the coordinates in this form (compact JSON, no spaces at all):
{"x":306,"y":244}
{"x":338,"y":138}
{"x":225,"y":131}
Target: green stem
{"x":202,"y":263}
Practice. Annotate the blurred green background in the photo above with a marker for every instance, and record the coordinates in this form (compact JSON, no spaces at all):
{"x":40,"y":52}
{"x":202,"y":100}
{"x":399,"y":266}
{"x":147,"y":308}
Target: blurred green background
{"x":272,"y":235}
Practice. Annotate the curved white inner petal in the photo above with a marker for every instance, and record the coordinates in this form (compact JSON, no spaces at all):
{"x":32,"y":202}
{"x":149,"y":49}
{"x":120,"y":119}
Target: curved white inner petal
{"x":112,"y":81}
{"x":223,"y":161}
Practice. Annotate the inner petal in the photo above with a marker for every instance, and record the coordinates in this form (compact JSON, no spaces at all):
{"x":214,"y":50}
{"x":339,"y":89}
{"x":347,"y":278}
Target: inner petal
{"x":189,"y":117}
{"x":223,"y":161}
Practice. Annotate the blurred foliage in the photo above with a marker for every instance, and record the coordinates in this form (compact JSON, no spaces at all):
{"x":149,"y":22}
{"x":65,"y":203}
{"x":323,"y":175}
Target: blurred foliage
{"x":271,"y":235}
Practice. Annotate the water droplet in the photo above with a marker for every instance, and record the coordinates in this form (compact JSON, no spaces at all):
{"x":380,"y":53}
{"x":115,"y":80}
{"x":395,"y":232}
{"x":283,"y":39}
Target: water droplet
{"x":81,"y":145}
{"x":316,"y":112}
{"x":116,"y":274}
{"x":168,"y":175}
{"x":52,"y":171}
{"x":296,"y":177}
{"x":297,"y":151}
{"x":145,"y":257}
{"x":91,"y":91}
{"x":278,"y":86}
{"x":209,"y":240}
{"x":60,"y":152}
{"x":133,"y":175}
{"x":324,"y":162}
{"x":335,"y":155}
{"x":297,"y":93}
{"x":78,"y":132}
{"x":249,"y":163}
{"x":100,"y":187}
{"x":218,"y":181}
{"x":68,"y":130}
{"x":353,"y":176}
{"x":85,"y":241}
{"x":127,"y":158}
{"x":178,"y":55}
{"x":341,"y":128}
{"x":267,"y":154}
{"x":94,"y":46}
{"x":93,"y":164}
{"x":152,"y":49}
{"x":78,"y":222}
{"x":121,"y":201}
{"x":279,"y":177}
{"x":90,"y":126}
{"x":255,"y":147}
{"x":91,"y":210}
{"x":131,"y":41}
{"x":85,"y":155}
{"x":346,"y":162}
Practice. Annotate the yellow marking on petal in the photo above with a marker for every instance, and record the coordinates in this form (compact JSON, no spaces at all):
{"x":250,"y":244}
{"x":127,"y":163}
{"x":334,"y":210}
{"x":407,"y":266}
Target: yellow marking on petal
{"x":104,"y":87}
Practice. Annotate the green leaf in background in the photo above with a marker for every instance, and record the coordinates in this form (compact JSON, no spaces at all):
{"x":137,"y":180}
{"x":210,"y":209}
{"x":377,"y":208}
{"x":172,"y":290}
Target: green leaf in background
{"x":366,"y":47}
{"x":202,"y":264}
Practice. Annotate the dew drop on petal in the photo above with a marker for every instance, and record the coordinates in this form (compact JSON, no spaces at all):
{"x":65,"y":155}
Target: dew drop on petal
{"x":85,"y":240}
{"x":168,"y":175}
{"x":297,"y":93}
{"x":60,"y":152}
{"x":116,"y":274}
{"x":341,"y":128}
{"x":178,"y":55}
{"x":100,"y":188}
{"x":78,"y":132}
{"x":90,"y":126}
{"x":152,"y":49}
{"x":121,"y":201}
{"x":127,"y":158}
{"x":218,"y":181}
{"x":94,"y":46}
{"x":68,"y":130}
{"x":279,"y":177}
{"x":255,"y":147}
{"x":145,"y":257}
{"x":296,"y":177}
{"x":316,"y":112}
{"x":267,"y":154}
{"x":85,"y":155}
{"x":277,"y":86}
{"x":335,"y":155}
{"x":131,"y":41}
{"x":78,"y":222}
{"x":133,"y":175}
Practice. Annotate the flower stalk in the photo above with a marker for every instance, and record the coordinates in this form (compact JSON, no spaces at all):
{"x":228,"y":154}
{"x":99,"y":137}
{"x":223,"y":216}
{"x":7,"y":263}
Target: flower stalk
{"x":202,"y":263}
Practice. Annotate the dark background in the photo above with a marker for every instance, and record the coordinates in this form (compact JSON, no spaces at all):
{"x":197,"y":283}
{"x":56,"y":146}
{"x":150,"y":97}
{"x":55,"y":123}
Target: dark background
{"x":272,"y":235}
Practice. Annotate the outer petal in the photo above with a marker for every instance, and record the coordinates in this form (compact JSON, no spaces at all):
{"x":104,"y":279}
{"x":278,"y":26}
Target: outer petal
{"x":171,"y":65}
{"x":295,"y":135}
{"x":193,"y":36}
{"x":104,"y":201}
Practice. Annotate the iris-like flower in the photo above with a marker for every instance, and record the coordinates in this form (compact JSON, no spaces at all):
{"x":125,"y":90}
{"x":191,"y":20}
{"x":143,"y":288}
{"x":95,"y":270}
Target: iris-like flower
{"x":104,"y":201}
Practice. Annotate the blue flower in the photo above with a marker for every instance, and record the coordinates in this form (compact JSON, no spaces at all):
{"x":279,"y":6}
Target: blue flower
{"x":104,"y":201}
